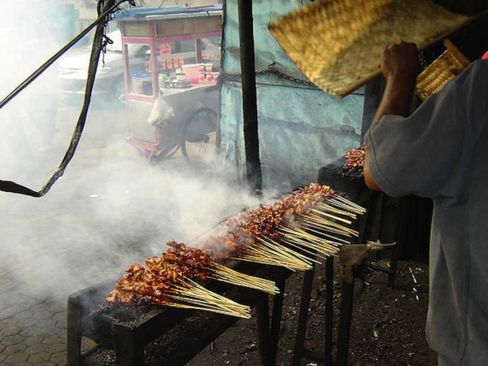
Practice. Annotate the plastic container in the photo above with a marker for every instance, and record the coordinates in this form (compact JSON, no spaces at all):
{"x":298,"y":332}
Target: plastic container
{"x":192,"y":72}
{"x":141,"y":82}
{"x":201,"y":77}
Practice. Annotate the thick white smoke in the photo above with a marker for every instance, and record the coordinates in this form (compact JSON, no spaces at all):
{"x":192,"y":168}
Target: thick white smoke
{"x":110,"y":208}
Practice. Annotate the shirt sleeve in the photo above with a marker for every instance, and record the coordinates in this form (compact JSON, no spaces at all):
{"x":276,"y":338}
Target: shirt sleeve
{"x":419,"y":154}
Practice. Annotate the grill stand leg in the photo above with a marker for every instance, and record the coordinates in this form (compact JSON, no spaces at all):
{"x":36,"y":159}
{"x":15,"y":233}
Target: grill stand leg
{"x":401,"y":237}
{"x":329,"y":309}
{"x":268,"y":337}
{"x":129,"y":346}
{"x":345,"y":319}
{"x":74,"y":333}
{"x":299,"y":347}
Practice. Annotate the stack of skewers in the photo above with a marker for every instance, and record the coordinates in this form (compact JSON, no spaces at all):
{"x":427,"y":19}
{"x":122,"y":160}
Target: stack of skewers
{"x":353,"y":167}
{"x":293,"y":232}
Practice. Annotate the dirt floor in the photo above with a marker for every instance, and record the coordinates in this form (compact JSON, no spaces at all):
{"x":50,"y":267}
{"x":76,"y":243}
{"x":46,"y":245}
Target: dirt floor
{"x":387,"y":327}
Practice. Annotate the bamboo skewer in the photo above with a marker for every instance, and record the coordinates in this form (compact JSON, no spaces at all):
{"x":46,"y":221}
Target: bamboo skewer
{"x":329,"y":208}
{"x":315,"y":225}
{"x":303,"y":246}
{"x":319,"y":251}
{"x":194,"y":293}
{"x":202,"y":308}
{"x":303,"y":257}
{"x":273,"y":255}
{"x":305,"y":240}
{"x":323,"y":245}
{"x":309,"y":238}
{"x":271,"y":249}
{"x":225,"y":274}
{"x":271,"y":242}
{"x":326,"y":222}
{"x":299,"y":232}
{"x":315,"y":220}
{"x":321,"y":213}
{"x":348,"y":204}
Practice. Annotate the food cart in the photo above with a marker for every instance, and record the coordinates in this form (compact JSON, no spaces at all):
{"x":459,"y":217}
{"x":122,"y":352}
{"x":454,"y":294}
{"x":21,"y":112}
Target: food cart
{"x":177,"y":82}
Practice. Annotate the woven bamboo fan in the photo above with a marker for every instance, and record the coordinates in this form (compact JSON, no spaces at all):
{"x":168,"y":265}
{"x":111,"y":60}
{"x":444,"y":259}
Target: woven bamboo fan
{"x":338,"y":43}
{"x":446,"y":67}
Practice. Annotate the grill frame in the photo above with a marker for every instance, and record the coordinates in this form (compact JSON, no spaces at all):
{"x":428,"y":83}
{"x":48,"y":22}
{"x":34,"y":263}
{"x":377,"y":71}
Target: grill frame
{"x":88,"y":317}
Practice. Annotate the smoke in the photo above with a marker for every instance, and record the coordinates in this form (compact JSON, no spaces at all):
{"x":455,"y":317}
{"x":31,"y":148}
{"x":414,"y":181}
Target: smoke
{"x":104,"y":215}
{"x":111,"y":207}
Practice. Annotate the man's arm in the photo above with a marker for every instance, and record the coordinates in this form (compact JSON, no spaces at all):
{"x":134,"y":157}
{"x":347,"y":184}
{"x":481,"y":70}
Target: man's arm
{"x":400,"y":67}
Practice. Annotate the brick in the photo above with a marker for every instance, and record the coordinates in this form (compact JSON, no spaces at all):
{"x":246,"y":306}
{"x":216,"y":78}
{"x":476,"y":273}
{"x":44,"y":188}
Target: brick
{"x":26,"y":322}
{"x":36,"y":348}
{"x":46,"y":324}
{"x":32,"y":340}
{"x":43,"y":315}
{"x":53,"y":339}
{"x":26,"y":314}
{"x":59,"y":358}
{"x":8,"y":330}
{"x":60,"y":315}
{"x":39,"y":357}
{"x":17,"y":358}
{"x":13,"y":339}
{"x":14,"y":348}
{"x":6,"y":313}
{"x":56,"y":347}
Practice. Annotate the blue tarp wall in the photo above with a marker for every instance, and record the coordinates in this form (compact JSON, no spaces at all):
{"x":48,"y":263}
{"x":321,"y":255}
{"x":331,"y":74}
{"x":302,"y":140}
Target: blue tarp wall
{"x":301,"y":128}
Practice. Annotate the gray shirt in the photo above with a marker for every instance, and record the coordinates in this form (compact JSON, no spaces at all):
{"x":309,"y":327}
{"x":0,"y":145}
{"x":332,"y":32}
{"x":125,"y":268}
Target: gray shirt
{"x":441,"y":152}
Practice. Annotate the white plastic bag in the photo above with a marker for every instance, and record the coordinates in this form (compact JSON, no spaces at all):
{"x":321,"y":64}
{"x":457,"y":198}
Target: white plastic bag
{"x":161,"y":111}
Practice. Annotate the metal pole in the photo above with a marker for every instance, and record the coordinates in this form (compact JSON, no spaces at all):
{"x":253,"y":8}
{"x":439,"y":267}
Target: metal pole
{"x":264,"y":342}
{"x":249,"y":102}
{"x":274,"y":332}
{"x":345,"y":322}
{"x":329,"y":309}
{"x":299,"y":347}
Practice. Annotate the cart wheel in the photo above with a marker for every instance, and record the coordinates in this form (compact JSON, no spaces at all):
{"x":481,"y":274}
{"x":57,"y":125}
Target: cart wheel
{"x":164,"y":154}
{"x":199,"y":138}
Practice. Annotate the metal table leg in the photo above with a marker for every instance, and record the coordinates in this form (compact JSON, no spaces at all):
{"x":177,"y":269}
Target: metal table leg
{"x":262,"y":317}
{"x":299,"y":346}
{"x":276,"y":321}
{"x":269,"y":335}
{"x":129,"y":346}
{"x":329,"y":309}
{"x":345,"y":322}
{"x":74,"y":333}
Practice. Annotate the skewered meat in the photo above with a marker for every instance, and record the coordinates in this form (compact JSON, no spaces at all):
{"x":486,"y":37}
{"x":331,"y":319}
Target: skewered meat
{"x":160,"y":280}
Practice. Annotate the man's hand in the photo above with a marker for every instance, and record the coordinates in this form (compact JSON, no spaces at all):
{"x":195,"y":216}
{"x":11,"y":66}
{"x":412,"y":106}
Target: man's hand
{"x":400,"y":66}
{"x":400,"y":62}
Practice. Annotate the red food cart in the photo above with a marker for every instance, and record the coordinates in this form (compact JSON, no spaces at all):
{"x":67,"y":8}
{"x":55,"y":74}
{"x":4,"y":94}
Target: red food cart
{"x":172,"y":95}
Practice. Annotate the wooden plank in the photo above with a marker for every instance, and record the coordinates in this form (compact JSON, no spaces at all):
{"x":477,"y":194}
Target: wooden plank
{"x":136,"y":29}
{"x":172,"y":27}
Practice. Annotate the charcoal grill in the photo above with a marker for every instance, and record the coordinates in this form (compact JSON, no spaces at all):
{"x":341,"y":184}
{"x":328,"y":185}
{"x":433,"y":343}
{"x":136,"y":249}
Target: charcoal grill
{"x":176,"y":335}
